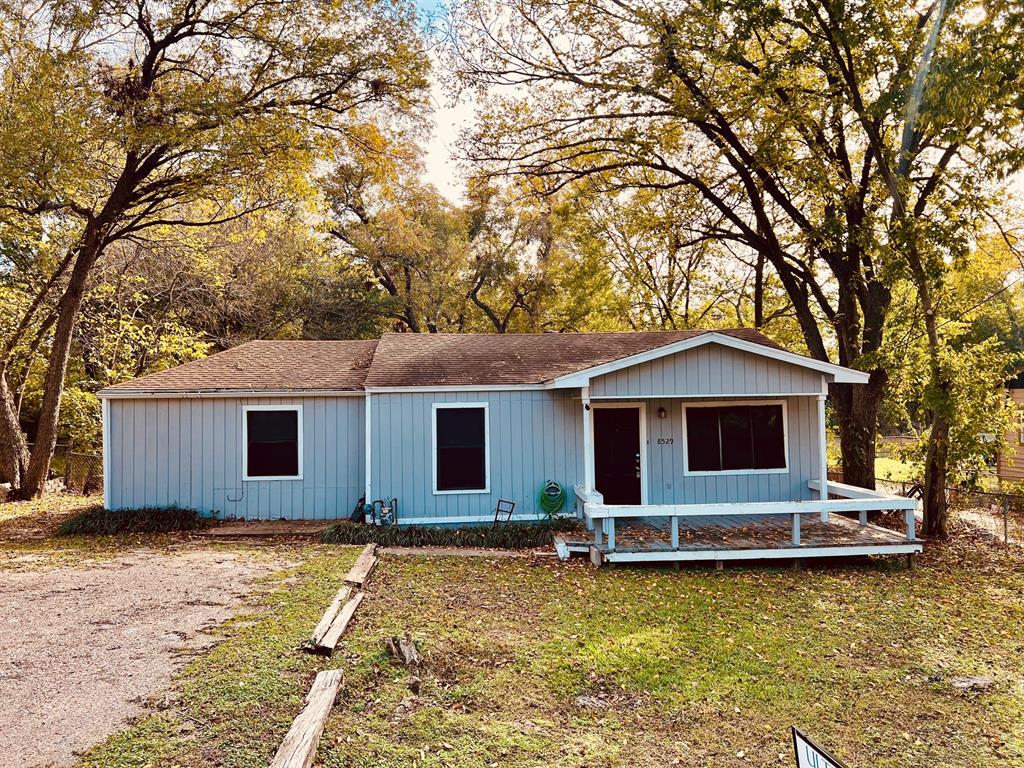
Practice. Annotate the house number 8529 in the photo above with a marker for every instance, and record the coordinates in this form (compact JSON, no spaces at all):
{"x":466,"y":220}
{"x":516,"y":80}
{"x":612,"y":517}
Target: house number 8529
{"x":665,"y":440}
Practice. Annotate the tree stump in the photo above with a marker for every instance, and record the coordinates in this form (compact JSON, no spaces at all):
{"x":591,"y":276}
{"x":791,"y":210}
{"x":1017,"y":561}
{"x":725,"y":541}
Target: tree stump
{"x":403,"y":649}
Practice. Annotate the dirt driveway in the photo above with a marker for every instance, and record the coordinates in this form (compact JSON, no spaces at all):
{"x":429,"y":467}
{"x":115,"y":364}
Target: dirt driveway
{"x":82,"y":649}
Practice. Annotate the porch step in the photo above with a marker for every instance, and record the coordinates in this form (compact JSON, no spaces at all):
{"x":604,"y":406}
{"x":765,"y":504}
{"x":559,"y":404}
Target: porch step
{"x":566,"y":547}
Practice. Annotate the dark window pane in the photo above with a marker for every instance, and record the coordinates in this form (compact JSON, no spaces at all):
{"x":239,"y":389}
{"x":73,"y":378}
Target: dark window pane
{"x":273,"y":426}
{"x":460,"y":427}
{"x":769,"y":440}
{"x":702,"y":449}
{"x":461,"y":449}
{"x":272,"y":443}
{"x":273,"y":459}
{"x":735,"y":437}
{"x":461,"y":469}
{"x":737,"y":443}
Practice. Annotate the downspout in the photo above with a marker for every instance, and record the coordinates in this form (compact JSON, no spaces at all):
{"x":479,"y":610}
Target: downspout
{"x":105,"y":405}
{"x":368,"y":434}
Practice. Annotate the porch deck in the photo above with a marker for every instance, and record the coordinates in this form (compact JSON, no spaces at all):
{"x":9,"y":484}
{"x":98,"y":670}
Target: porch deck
{"x":744,"y":538}
{"x":795,"y":530}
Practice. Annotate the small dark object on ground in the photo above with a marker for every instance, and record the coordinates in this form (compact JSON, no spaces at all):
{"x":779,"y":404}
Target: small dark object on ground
{"x":98,"y":521}
{"x":515,"y":536}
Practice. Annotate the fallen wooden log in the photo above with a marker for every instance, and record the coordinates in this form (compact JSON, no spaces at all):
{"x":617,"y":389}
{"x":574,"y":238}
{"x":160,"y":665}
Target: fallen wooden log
{"x":328,"y":618}
{"x":364,"y":565}
{"x":298,"y":750}
{"x":404,"y":650}
{"x":329,"y":641}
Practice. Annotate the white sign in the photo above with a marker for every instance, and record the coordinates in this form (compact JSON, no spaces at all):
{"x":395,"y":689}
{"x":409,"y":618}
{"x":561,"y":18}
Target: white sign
{"x":810,"y":755}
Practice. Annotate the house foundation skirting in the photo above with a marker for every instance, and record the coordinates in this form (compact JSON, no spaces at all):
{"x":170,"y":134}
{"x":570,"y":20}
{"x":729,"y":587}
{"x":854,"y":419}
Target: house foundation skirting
{"x":754,"y":554}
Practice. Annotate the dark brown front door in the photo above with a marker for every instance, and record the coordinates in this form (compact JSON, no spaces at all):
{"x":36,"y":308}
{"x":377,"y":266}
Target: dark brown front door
{"x":617,"y":454}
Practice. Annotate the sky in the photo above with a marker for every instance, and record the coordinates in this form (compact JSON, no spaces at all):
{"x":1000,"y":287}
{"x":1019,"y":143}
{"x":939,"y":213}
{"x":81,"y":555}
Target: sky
{"x":440,"y":166}
{"x":449,"y":120}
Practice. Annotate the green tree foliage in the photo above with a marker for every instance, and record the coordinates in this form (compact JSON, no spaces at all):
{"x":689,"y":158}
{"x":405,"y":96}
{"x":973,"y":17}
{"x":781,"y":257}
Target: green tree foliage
{"x":408,"y":237}
{"x":538,"y":264}
{"x":980,"y":333}
{"x":674,"y":273}
{"x":119,"y":117}
{"x":80,"y":425}
{"x":508,"y":260}
{"x":785,"y":120}
{"x":186,"y":292}
{"x":976,"y":146}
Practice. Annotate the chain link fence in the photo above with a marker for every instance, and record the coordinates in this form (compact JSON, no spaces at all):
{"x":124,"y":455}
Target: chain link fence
{"x":998,"y":515}
{"x":75,"y":471}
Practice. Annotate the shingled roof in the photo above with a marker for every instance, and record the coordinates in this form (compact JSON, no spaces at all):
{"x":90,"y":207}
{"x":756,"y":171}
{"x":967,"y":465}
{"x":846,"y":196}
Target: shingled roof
{"x":268,"y":366}
{"x":409,"y":360}
{"x":449,"y":359}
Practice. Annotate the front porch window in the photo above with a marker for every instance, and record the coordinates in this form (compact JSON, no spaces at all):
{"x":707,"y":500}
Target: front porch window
{"x":735,"y":438}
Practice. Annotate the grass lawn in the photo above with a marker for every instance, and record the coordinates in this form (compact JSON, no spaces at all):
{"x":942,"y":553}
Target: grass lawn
{"x":536,"y":663}
{"x":888,"y":468}
{"x":38,"y":511}
{"x":28,"y":528}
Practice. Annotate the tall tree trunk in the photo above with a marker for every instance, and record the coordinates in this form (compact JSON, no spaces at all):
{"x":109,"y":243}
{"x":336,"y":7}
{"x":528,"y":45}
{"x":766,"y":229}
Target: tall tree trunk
{"x":857,"y":408}
{"x":409,"y":310}
{"x":936,"y":464}
{"x":500,"y":324}
{"x":535,"y":302}
{"x":34,"y":480}
{"x":936,"y":511}
{"x":13,"y":450}
{"x":759,"y":291}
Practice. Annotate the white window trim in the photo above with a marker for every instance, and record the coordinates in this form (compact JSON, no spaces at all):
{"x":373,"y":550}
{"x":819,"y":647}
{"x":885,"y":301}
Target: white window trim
{"x":720,"y":472}
{"x":642,"y":415}
{"x":245,"y":441}
{"x":487,"y":447}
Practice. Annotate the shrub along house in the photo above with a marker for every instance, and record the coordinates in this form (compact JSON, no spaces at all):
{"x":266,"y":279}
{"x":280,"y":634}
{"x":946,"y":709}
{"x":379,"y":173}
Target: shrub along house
{"x":672,"y":445}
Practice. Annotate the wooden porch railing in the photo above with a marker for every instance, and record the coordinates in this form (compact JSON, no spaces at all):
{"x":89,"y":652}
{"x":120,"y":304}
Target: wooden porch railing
{"x":601,"y":517}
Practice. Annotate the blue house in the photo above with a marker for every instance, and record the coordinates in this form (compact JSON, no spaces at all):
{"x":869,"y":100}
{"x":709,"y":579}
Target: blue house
{"x":672,"y":445}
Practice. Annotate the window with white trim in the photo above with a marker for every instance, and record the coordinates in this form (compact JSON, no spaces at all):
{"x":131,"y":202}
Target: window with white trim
{"x":735,"y":438}
{"x":272,"y":438}
{"x":460,"y":448}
